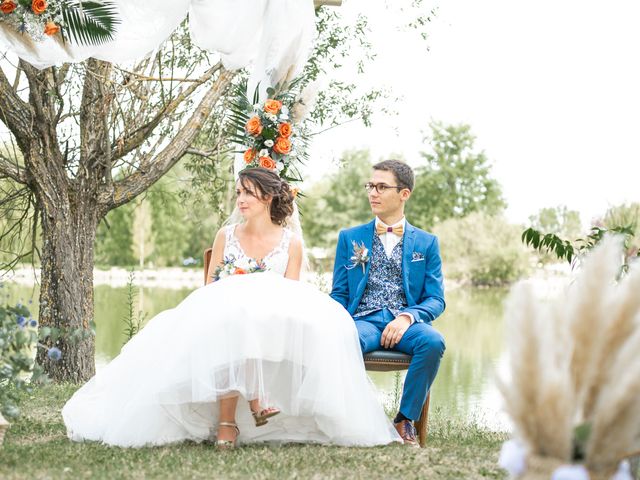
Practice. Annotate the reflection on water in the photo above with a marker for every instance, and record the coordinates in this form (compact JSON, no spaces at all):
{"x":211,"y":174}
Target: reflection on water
{"x":472,"y":326}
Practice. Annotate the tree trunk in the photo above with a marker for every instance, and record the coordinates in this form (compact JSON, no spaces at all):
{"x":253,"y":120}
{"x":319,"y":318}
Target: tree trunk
{"x":74,"y":194}
{"x":66,"y":298}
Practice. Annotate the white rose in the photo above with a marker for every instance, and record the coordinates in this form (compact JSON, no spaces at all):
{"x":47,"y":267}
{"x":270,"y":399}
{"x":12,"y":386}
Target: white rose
{"x":284,"y":109}
{"x":268,"y":143}
{"x":279,"y":166}
{"x":284,"y":118}
{"x":264,"y":152}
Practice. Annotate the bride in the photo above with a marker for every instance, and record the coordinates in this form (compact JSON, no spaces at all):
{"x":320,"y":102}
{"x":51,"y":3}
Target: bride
{"x":288,"y":351}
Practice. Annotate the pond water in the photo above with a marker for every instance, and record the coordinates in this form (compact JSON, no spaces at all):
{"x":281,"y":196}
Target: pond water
{"x":464,"y":388}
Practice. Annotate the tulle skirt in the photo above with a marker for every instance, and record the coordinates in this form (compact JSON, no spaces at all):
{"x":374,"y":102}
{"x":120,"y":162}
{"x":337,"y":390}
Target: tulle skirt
{"x":260,"y":336}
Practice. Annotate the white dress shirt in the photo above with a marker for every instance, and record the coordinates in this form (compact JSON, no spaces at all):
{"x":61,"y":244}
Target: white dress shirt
{"x":389,"y":241}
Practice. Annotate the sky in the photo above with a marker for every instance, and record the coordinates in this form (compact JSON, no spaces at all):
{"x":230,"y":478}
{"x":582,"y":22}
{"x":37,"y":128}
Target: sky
{"x":551,"y":90}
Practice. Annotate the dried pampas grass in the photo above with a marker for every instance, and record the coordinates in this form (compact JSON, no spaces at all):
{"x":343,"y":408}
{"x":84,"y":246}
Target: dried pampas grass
{"x":621,"y":309}
{"x":574,"y":362}
{"x":585,"y":312}
{"x":534,"y":394}
{"x":616,"y":416}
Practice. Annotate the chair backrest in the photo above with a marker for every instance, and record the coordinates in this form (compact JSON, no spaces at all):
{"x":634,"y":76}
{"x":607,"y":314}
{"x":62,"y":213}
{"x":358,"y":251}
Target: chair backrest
{"x":207,"y":260}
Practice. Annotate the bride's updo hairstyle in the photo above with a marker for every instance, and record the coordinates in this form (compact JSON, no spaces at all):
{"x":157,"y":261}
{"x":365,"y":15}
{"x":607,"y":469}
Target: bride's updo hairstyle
{"x":269,"y":184}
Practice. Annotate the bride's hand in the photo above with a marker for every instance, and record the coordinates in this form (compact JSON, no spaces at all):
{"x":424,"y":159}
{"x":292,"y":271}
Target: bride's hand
{"x":394,"y":331}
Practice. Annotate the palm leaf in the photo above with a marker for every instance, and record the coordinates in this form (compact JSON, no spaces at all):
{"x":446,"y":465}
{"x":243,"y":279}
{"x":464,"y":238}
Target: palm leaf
{"x":89,"y":22}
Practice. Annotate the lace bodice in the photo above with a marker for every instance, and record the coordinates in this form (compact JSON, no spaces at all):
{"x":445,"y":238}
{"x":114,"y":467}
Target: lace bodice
{"x":276,"y":260}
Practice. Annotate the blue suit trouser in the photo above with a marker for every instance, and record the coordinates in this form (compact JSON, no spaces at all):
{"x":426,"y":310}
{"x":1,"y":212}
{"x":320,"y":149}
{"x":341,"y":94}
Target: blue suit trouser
{"x":423,"y":342}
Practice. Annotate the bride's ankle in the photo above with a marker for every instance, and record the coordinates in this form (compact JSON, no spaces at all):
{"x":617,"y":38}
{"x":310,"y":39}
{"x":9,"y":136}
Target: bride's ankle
{"x":254,"y":405}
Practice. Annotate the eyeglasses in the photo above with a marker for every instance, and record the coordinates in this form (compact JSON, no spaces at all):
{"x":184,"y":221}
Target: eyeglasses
{"x":380,"y":187}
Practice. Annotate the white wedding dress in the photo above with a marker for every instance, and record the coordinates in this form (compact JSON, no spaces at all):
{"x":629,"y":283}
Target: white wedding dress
{"x":261,"y":335}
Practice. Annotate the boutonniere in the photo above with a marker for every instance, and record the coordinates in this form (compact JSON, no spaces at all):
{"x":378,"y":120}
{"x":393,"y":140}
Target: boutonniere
{"x":417,"y":256}
{"x":360,"y":255}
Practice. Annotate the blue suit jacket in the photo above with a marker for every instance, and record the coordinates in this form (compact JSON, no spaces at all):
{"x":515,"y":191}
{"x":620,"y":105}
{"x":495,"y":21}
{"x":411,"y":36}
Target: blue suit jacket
{"x":421,"y":271}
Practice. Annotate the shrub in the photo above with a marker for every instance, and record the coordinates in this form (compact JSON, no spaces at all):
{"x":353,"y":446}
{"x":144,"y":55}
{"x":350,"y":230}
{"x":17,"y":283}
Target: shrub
{"x":482,"y":250}
{"x":18,"y":368}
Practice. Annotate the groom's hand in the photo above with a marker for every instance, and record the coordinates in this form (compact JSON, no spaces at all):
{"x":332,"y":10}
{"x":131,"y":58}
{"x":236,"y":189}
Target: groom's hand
{"x":394,"y":331}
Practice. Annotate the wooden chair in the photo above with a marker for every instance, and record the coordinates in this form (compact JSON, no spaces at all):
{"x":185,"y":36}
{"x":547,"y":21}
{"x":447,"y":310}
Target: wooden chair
{"x":378,"y":361}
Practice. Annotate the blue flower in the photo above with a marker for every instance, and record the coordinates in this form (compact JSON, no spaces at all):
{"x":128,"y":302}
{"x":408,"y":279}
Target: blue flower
{"x":33,"y":323}
{"x":54,"y":353}
{"x":21,"y":321}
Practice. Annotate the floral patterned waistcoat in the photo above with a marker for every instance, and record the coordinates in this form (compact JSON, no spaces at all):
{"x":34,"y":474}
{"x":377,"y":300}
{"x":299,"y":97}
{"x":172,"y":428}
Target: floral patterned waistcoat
{"x":384,"y":285}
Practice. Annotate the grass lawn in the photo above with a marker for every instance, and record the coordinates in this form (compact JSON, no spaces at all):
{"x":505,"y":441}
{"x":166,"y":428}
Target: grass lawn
{"x":36,"y":447}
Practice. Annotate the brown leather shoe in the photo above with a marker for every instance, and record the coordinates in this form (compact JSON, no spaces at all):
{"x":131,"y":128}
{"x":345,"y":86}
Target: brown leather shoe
{"x":407,"y":431}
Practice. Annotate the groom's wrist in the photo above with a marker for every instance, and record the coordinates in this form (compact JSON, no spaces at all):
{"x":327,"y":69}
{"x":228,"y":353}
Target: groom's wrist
{"x":409,"y":316}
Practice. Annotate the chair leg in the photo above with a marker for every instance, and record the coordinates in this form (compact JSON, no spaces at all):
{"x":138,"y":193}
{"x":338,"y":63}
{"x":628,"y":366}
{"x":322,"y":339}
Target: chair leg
{"x":422,"y":425}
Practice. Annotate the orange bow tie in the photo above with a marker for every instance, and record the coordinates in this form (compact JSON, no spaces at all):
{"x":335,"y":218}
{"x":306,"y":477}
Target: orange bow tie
{"x":398,"y":229}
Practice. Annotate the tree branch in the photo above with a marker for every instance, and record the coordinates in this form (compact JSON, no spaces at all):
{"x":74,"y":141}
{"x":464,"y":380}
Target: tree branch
{"x":151,"y":170}
{"x":12,"y":170}
{"x":15,"y":113}
{"x":134,"y":139}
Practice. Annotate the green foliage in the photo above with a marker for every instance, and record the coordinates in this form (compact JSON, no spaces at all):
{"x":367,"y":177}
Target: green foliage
{"x":549,"y":243}
{"x":572,"y":251}
{"x":338,"y":201}
{"x":621,"y":219}
{"x":179,"y":223}
{"x":18,"y":343}
{"x":625,"y":214}
{"x":114,"y":237}
{"x":454,"y":180}
{"x":481,"y":249}
{"x":559,"y":220}
{"x":132,"y":321}
{"x":89,"y":22}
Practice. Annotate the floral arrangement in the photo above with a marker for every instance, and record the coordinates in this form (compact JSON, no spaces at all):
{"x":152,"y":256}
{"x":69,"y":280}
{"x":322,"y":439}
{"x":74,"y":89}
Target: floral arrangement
{"x":231,"y":266}
{"x":19,"y":335}
{"x":572,"y":389}
{"x":272,"y":132}
{"x":86,"y":22}
{"x":360,"y":255}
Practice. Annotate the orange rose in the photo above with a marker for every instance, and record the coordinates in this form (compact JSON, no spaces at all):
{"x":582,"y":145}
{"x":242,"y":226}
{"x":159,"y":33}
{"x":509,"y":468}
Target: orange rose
{"x":249,"y":155}
{"x":283,"y":146}
{"x":253,"y":126}
{"x":267,"y":162}
{"x":272,"y":106}
{"x":285,"y":130}
{"x":38,"y":6}
{"x":239,"y":271}
{"x":51,"y":28}
{"x":7,"y":7}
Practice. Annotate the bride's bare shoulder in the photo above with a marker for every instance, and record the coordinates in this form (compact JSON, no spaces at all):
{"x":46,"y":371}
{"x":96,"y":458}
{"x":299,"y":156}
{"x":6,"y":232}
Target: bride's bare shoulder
{"x":221,"y":236}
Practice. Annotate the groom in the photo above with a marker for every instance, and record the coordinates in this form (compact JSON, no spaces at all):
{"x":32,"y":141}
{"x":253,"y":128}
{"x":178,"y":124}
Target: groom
{"x":387,"y":274}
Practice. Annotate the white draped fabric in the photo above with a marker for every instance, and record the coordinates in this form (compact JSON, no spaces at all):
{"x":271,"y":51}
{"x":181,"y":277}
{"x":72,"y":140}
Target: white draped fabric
{"x":272,"y":37}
